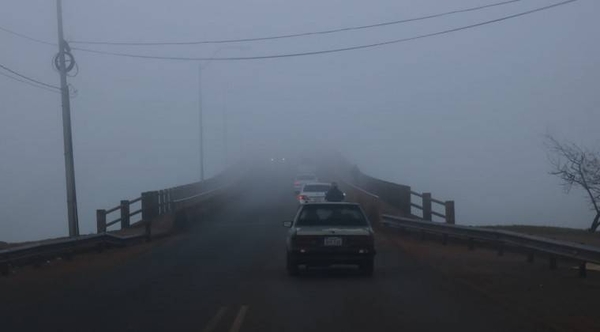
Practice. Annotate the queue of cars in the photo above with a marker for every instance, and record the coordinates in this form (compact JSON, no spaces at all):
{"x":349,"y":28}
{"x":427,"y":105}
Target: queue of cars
{"x":323,"y":233}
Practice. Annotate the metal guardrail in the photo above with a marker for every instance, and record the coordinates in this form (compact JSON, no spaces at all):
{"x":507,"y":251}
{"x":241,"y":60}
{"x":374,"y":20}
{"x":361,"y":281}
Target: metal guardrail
{"x":503,"y":239}
{"x":38,"y":253}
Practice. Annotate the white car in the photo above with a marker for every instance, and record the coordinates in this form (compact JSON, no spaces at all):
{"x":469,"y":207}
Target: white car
{"x":303,"y":179}
{"x":313,"y":192}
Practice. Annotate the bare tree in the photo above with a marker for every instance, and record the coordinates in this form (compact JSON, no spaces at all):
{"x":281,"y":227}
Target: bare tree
{"x":577,"y":167}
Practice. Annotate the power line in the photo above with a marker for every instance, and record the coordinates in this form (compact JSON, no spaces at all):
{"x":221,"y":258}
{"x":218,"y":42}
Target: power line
{"x":29,"y":83}
{"x":29,"y":78}
{"x":336,"y":50}
{"x":27,"y":37}
{"x":295,"y":35}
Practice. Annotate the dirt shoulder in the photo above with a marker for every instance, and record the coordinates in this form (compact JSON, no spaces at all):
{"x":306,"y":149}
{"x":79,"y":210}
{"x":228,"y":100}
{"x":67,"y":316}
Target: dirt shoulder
{"x":559,"y":299}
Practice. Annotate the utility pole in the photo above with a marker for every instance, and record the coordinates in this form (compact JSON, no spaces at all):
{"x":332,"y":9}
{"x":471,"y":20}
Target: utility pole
{"x":200,"y":122}
{"x":225,"y":134}
{"x":67,"y":136}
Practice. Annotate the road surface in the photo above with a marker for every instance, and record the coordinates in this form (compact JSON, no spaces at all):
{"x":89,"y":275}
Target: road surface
{"x":227,"y":274}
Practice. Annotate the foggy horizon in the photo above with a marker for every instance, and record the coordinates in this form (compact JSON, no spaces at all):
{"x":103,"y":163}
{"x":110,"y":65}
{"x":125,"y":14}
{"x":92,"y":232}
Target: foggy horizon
{"x":461,"y":115}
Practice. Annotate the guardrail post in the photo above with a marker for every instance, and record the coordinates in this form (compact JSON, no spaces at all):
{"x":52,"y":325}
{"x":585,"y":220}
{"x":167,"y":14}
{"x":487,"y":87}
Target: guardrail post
{"x":582,"y":270}
{"x":450,"y":212}
{"x":124,"y":214}
{"x":170,"y":207}
{"x":149,"y":210}
{"x":4,"y":268}
{"x":531,"y":256}
{"x":165,"y":201}
{"x":101,"y":221}
{"x":552,"y":262}
{"x":427,"y":206}
{"x":501,"y":249}
{"x":160,"y":202}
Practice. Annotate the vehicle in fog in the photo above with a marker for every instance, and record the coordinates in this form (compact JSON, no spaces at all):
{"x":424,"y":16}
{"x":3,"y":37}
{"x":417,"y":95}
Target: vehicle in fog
{"x":302,"y":179}
{"x":313,"y":192}
{"x":326,"y":234}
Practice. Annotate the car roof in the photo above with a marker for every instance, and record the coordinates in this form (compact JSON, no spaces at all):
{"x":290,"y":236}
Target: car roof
{"x":331,"y":203}
{"x":318,"y":183}
{"x":312,"y":176}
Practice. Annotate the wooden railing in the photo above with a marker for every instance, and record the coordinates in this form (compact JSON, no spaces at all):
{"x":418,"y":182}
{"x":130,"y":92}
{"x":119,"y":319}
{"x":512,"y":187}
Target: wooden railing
{"x":427,"y":210}
{"x":153,"y":204}
{"x":399,"y":199}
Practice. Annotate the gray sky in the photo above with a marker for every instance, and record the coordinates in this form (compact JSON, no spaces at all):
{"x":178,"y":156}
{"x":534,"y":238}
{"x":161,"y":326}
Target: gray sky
{"x":461,"y":115}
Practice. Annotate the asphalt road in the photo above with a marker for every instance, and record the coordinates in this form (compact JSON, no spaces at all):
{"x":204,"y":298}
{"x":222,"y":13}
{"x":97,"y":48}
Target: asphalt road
{"x":227,"y":274}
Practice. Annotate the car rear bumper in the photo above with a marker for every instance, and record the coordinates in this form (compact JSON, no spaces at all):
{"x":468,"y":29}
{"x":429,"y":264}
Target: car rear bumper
{"x":316,"y":257}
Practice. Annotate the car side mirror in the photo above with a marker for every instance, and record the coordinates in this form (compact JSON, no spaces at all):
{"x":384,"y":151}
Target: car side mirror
{"x":287,"y":224}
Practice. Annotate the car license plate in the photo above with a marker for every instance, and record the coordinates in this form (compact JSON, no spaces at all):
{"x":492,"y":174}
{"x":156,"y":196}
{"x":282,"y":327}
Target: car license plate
{"x":333,"y":241}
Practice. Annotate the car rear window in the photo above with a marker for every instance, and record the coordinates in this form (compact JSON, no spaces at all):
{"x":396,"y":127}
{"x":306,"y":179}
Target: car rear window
{"x":331,"y":215}
{"x":315,"y":188}
{"x":306,"y":177}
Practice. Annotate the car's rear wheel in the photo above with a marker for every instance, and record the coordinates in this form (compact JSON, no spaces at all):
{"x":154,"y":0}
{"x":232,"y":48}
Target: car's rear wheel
{"x":367,"y":267}
{"x":292,"y":266}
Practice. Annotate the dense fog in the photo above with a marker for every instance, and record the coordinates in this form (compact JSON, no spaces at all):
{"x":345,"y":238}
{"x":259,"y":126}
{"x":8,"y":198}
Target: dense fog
{"x":462,"y":115}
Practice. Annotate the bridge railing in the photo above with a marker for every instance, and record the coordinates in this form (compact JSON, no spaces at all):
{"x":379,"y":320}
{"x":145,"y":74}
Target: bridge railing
{"x":173,"y":205}
{"x":395,"y":198}
{"x":151,"y":205}
{"x":427,"y":211}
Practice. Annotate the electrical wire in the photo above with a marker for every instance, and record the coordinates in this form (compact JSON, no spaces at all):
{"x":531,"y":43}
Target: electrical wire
{"x":27,"y":37}
{"x":295,"y":35}
{"x":29,"y":83}
{"x":336,"y":50}
{"x":29,"y":78}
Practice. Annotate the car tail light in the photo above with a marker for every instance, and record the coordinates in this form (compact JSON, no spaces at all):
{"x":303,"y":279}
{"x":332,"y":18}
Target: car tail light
{"x":302,"y":197}
{"x":296,"y":182}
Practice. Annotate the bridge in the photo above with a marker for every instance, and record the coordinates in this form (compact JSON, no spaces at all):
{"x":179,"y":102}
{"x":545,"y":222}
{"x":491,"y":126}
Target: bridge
{"x":210,"y":256}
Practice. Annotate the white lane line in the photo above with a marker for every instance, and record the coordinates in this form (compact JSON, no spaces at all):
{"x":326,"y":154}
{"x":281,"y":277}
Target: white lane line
{"x":215,"y":320}
{"x":239,"y":319}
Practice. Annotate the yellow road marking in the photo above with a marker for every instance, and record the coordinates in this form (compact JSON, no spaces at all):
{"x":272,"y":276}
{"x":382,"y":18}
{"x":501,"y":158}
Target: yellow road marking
{"x":215,"y":320}
{"x":239,"y":319}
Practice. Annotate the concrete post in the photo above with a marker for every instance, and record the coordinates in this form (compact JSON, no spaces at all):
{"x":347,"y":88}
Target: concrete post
{"x":101,"y":221}
{"x":427,"y":206}
{"x":450,"y":213}
{"x":124,"y":214}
